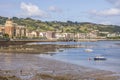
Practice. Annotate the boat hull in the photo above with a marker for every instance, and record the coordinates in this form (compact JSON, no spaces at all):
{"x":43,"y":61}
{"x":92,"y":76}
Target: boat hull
{"x":99,"y":58}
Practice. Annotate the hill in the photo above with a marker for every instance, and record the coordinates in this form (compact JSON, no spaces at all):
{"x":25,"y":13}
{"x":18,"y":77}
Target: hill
{"x":69,"y":26}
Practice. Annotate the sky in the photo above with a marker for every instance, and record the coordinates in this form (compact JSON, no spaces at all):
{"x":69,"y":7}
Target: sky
{"x":95,"y":11}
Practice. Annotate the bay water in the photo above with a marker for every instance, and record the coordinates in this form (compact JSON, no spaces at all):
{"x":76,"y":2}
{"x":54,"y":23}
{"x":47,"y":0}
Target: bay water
{"x":108,"y":49}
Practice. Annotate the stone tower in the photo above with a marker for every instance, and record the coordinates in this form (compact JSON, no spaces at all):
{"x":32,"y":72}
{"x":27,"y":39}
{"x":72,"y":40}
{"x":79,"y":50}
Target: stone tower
{"x":9,"y":28}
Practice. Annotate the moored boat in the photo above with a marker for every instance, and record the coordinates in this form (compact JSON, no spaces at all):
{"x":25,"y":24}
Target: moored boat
{"x":99,"y":58}
{"x":88,"y":50}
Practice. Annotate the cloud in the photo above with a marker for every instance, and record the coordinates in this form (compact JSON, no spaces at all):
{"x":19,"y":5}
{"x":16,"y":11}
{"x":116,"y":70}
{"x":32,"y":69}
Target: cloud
{"x":107,"y":12}
{"x":114,"y":2}
{"x":54,"y":9}
{"x":31,"y":10}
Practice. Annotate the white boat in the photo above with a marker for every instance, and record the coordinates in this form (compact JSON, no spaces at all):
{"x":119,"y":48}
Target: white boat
{"x":99,"y":58}
{"x":88,"y":50}
{"x":60,"y":50}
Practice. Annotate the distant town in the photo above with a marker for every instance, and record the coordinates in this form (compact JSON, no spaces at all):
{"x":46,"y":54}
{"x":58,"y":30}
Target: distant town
{"x":13,"y":31}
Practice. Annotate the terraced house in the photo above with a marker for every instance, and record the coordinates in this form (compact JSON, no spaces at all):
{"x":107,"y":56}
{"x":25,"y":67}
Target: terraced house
{"x":12,"y":29}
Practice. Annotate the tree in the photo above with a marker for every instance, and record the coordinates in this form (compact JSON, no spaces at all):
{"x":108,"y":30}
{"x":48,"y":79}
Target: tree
{"x":5,"y":35}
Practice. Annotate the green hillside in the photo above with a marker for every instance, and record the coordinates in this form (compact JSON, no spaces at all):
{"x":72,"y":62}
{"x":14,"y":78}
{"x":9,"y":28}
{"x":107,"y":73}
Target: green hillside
{"x":69,"y":26}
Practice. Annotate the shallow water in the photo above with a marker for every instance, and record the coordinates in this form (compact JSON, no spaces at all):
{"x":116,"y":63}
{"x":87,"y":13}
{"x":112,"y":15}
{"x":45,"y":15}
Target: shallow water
{"x":108,"y":49}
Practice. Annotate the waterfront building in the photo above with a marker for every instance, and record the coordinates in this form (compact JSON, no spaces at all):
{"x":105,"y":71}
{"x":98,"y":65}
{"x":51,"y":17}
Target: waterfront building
{"x":32,"y":34}
{"x":113,"y":35}
{"x":50,"y":35}
{"x":64,"y":35}
{"x":12,"y":29}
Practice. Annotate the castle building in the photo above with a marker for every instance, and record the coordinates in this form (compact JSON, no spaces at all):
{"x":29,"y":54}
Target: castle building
{"x":12,"y":29}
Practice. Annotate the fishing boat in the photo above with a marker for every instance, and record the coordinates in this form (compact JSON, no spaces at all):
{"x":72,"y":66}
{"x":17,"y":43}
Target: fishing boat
{"x":99,"y":58}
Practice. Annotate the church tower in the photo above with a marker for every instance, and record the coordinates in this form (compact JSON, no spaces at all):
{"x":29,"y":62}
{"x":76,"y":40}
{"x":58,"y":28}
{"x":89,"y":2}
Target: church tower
{"x":9,"y":28}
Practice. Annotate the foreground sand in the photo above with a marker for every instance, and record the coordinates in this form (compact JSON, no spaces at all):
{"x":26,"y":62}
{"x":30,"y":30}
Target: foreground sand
{"x":39,"y":68}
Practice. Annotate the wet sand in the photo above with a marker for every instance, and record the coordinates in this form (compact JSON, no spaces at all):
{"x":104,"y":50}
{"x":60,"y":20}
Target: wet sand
{"x":30,"y":67}
{"x":33,"y":48}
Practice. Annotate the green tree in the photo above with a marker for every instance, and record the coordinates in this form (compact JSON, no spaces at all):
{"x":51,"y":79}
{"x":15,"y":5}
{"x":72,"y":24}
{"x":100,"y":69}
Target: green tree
{"x":5,"y":35}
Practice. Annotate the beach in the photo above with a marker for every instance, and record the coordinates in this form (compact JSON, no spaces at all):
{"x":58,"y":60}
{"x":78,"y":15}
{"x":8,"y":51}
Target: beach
{"x":31,"y":67}
{"x":24,"y":63}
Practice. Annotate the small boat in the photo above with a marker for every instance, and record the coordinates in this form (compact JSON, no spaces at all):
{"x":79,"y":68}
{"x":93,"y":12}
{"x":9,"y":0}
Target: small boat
{"x":88,"y":50}
{"x":99,"y":58}
{"x":60,"y":50}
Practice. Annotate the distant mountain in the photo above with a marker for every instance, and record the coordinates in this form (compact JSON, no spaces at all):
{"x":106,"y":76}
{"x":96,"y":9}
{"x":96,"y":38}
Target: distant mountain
{"x":68,"y":26}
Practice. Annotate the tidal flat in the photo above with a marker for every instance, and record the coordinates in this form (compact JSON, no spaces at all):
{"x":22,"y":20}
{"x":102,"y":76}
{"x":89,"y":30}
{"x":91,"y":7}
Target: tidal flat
{"x":33,"y":48}
{"x":30,"y":67}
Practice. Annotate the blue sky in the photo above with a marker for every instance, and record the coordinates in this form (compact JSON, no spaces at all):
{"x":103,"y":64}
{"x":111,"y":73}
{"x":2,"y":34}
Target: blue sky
{"x":96,"y":11}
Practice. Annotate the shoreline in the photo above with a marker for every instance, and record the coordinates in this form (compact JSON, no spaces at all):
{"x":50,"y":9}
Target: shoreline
{"x":51,"y":67}
{"x":21,"y":42}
